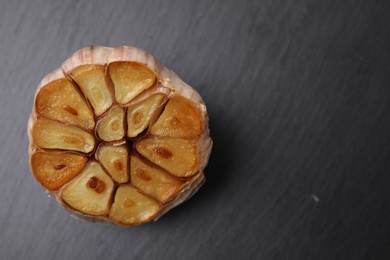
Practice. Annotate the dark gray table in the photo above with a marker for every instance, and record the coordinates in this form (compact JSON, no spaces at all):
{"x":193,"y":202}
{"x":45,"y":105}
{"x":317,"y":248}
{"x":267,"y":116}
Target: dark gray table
{"x":299,"y":99}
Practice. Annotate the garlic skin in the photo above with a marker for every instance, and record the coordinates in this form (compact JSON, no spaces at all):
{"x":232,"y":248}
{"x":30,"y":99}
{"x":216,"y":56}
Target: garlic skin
{"x":167,"y":83}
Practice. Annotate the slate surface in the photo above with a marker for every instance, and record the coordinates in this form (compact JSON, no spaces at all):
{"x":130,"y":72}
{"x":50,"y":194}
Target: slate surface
{"x":299,"y":102}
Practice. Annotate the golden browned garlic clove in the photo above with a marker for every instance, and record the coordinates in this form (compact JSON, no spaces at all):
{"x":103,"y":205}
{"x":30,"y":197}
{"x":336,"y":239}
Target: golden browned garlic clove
{"x":90,"y":192}
{"x":153,"y":181}
{"x":114,"y":160}
{"x":60,"y":100}
{"x":140,"y":114}
{"x":130,"y":79}
{"x":54,"y":169}
{"x":51,"y":135}
{"x":116,"y":137}
{"x":111,"y":128}
{"x":132,"y":207}
{"x":177,"y":156}
{"x":180,"y":119}
{"x":92,"y":82}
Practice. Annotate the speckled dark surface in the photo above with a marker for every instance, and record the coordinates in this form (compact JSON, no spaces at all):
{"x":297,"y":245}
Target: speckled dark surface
{"x":299,"y":100}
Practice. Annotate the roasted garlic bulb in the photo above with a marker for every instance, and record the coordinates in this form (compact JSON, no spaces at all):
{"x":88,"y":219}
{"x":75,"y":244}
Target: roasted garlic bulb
{"x":116,"y":137}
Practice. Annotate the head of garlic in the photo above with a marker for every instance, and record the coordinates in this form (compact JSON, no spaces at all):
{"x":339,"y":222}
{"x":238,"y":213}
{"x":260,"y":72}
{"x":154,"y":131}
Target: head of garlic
{"x":117,"y":137}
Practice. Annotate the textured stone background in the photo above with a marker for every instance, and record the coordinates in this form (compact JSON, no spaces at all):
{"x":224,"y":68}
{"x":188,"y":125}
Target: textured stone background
{"x":299,"y":101}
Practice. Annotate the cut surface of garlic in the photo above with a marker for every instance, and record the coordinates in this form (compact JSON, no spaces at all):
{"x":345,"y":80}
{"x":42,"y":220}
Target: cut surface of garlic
{"x":116,"y":137}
